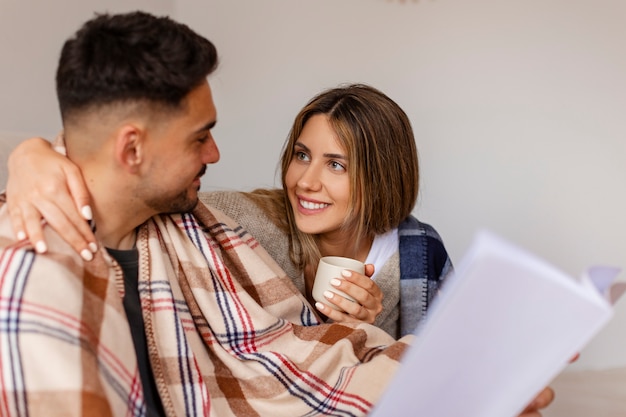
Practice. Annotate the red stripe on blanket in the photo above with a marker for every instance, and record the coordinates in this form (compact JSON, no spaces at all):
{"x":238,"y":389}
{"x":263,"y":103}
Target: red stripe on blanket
{"x":320,"y":386}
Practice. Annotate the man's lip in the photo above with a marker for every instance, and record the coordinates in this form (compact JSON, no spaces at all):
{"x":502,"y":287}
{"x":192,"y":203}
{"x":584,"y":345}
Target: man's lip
{"x":200,"y":175}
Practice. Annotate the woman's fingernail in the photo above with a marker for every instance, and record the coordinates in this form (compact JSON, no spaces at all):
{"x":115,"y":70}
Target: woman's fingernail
{"x":86,"y":254}
{"x":93,"y":247}
{"x":335,"y":282}
{"x":320,"y":306}
{"x":21,"y":235}
{"x":40,"y":247}
{"x":86,"y":212}
{"x":329,"y":295}
{"x":346,"y":273}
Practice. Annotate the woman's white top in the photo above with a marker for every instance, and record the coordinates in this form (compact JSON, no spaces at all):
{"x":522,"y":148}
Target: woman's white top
{"x":382,"y":248}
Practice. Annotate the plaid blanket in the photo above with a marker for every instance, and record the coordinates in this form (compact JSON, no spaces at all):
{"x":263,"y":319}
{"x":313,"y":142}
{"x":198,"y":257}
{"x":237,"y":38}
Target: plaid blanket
{"x":228,"y":333}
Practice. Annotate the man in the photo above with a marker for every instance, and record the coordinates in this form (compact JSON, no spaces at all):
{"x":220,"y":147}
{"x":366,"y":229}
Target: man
{"x":192,"y":317}
{"x":127,"y":116}
{"x":179,"y":315}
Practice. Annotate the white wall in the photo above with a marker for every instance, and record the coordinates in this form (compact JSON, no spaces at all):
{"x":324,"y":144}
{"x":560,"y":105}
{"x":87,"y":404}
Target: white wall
{"x":517,"y":106}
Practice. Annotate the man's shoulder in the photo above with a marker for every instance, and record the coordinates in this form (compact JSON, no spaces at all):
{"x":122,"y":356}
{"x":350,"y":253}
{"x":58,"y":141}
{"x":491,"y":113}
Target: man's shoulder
{"x":59,"y":251}
{"x":59,"y":279}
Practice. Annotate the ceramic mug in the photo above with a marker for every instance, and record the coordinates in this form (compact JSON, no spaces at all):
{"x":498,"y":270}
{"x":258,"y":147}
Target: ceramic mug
{"x":331,"y":267}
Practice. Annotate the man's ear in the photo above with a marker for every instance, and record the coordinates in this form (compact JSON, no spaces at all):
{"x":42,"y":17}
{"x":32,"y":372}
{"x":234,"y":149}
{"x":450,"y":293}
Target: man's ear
{"x":129,"y":147}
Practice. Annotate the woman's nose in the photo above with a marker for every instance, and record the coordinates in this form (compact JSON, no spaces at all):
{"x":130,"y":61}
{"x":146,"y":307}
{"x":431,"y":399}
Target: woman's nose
{"x":310,"y":179}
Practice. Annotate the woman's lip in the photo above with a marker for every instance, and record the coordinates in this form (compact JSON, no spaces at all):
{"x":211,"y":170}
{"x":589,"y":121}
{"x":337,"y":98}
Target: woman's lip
{"x":309,"y":200}
{"x":311,"y":205}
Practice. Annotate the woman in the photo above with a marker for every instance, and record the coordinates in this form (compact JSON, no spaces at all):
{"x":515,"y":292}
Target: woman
{"x":350,"y":179}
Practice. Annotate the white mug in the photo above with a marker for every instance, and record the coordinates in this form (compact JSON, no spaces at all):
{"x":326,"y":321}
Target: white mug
{"x":328,"y":268}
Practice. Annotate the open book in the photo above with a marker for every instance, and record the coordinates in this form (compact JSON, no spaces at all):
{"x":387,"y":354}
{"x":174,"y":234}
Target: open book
{"x":505,"y":324}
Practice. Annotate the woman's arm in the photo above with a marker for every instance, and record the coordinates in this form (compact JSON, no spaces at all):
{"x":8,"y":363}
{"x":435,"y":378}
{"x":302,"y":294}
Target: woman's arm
{"x":43,"y":184}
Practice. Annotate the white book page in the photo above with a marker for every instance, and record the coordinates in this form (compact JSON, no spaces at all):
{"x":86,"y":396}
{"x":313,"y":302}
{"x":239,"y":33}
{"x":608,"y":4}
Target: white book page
{"x":503,"y":327}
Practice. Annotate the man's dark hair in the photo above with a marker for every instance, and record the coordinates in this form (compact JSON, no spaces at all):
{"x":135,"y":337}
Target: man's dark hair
{"x":131,"y":57}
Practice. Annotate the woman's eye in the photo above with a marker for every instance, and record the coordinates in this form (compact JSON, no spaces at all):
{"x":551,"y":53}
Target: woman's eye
{"x":336,"y":166}
{"x":203,"y":139}
{"x":301,"y":156}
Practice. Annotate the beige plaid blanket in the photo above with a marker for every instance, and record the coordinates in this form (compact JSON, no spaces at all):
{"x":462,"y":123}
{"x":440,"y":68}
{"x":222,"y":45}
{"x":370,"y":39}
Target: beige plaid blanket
{"x":228,"y":333}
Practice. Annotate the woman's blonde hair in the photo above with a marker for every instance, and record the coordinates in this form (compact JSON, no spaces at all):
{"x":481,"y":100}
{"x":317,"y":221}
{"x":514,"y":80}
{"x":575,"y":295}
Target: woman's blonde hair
{"x":383,"y":165}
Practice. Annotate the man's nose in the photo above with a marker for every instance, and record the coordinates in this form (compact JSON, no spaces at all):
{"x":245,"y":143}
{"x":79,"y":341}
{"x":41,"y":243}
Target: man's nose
{"x":211,"y":153}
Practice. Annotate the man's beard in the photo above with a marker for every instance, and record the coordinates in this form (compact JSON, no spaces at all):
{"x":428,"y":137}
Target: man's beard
{"x":180,"y":203}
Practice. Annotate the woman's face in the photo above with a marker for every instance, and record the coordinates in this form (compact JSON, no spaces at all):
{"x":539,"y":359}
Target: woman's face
{"x":317,"y":180}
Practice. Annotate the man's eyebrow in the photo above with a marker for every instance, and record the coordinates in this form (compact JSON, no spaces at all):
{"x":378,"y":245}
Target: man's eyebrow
{"x":207,"y":126}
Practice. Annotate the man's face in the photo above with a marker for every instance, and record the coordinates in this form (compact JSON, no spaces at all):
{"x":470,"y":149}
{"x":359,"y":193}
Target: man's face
{"x":181,"y":148}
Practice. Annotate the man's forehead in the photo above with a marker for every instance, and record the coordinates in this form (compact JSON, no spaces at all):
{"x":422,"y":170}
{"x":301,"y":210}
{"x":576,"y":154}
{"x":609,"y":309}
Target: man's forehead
{"x":201,"y":100}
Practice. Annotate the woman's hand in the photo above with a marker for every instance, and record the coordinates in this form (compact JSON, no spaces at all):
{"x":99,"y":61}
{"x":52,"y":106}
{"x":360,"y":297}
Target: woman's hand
{"x":541,"y":401}
{"x":368,"y":296}
{"x":44,"y":184}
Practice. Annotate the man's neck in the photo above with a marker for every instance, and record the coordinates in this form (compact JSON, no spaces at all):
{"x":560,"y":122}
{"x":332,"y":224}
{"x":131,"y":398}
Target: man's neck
{"x":116,"y":223}
{"x":126,"y":243}
{"x":116,"y":212}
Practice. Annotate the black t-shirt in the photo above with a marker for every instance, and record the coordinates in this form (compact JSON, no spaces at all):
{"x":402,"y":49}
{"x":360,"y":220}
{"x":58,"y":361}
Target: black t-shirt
{"x":129,"y":261}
